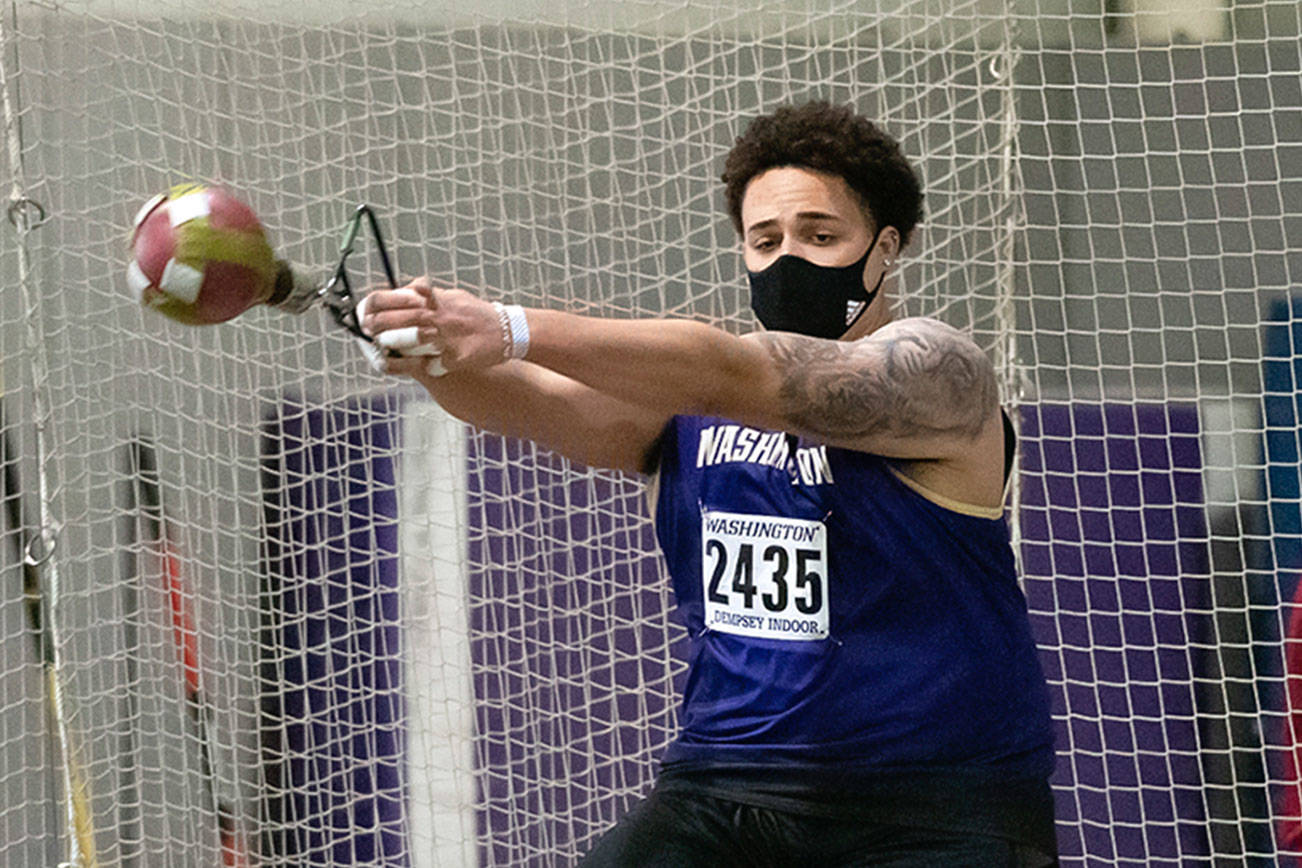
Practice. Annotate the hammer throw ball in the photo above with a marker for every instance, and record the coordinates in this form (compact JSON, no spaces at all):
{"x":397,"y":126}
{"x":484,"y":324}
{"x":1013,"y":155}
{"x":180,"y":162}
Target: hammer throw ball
{"x":200,"y":256}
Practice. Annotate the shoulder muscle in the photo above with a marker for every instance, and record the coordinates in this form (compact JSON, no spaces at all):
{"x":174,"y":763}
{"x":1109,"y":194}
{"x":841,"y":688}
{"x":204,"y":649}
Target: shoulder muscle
{"x":915,"y":388}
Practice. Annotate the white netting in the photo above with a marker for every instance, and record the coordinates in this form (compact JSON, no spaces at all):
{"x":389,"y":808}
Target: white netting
{"x":1110,"y":207}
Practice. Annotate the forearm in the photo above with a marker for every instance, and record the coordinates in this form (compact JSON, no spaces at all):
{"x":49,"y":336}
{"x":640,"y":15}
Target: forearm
{"x":524,"y":400}
{"x":669,"y":366}
{"x":496,"y":399}
{"x":471,"y":381}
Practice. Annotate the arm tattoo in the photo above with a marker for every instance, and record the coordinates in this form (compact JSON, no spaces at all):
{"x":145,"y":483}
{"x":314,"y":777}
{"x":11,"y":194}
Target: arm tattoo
{"x":909,"y":378}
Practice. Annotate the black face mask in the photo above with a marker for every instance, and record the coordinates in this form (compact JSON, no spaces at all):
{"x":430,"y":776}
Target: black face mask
{"x":795,"y":295}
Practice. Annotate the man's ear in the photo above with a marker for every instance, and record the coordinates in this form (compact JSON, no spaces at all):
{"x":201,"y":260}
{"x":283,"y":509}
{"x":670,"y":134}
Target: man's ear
{"x":890,"y":244}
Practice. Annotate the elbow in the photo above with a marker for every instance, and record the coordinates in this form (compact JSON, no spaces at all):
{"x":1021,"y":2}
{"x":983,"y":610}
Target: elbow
{"x":733,"y":379}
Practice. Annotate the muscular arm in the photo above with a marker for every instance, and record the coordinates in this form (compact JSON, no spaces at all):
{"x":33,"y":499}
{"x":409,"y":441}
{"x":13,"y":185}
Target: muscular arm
{"x":600,"y":390}
{"x":915,"y":389}
{"x":520,"y":399}
{"x":913,"y":384}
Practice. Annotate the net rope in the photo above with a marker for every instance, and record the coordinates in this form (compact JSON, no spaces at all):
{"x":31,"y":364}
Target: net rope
{"x":1113,"y":210}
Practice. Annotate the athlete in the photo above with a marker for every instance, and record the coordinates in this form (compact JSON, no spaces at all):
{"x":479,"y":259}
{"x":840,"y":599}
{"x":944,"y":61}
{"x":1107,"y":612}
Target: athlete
{"x":863,"y":685}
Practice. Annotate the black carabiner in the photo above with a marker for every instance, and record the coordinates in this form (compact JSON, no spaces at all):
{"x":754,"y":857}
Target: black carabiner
{"x":338,"y":291}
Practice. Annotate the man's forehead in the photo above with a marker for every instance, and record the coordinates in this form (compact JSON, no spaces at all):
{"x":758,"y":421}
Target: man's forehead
{"x":810,"y":215}
{"x":790,"y":193}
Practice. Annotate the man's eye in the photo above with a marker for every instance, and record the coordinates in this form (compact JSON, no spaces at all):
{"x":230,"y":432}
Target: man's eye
{"x":823,"y":237}
{"x":763,"y":244}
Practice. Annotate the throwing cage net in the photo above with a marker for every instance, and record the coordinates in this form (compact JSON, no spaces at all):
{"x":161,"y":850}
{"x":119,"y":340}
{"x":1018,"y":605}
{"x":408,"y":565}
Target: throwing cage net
{"x":262,"y":606}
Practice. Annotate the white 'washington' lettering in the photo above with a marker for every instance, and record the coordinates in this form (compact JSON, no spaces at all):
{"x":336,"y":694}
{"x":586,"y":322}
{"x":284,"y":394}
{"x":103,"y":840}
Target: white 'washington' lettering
{"x":723,"y":444}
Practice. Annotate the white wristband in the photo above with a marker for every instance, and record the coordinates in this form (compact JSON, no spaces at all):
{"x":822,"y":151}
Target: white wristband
{"x":515,"y":330}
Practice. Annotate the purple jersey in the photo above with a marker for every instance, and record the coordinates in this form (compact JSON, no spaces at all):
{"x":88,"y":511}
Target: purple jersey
{"x":840,"y":615}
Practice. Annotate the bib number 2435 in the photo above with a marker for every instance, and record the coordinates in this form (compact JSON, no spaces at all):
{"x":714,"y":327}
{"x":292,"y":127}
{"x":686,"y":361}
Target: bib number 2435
{"x":764,"y":575}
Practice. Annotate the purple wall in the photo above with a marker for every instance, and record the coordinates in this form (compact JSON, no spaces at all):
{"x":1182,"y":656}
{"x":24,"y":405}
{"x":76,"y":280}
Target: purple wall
{"x":569,"y":648}
{"x":1116,"y":563}
{"x":332,"y":697}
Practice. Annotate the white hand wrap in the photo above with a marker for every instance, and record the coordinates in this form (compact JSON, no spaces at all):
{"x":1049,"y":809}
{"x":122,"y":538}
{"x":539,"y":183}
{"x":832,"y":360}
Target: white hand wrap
{"x":404,"y":341}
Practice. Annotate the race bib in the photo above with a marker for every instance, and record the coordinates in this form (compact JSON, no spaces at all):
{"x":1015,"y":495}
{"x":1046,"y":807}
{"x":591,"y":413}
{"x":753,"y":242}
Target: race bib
{"x":764,"y":575}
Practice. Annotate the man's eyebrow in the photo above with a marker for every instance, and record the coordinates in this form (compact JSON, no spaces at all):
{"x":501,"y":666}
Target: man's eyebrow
{"x":802,"y":215}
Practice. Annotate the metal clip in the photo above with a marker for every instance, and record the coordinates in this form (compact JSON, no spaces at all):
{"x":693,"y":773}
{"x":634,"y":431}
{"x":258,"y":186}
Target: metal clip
{"x":20,"y":211}
{"x":337,"y":294}
{"x":49,"y":540}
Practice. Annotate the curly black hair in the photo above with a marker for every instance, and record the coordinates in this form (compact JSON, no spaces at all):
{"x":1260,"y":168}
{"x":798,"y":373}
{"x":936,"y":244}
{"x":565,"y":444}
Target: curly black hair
{"x":834,"y":140}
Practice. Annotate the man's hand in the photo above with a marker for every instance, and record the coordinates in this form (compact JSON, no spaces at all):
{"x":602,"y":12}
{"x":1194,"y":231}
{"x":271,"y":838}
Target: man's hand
{"x":462,"y":331}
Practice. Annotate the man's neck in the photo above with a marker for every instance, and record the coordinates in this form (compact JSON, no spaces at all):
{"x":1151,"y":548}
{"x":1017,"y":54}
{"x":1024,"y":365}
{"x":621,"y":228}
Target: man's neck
{"x":877,"y":316}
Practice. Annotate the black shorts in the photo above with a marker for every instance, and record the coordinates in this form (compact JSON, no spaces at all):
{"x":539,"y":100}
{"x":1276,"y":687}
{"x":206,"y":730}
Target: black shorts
{"x":685,"y":826}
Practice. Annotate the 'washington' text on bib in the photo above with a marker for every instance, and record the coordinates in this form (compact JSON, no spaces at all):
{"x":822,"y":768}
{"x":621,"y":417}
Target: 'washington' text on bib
{"x":764,"y":575}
